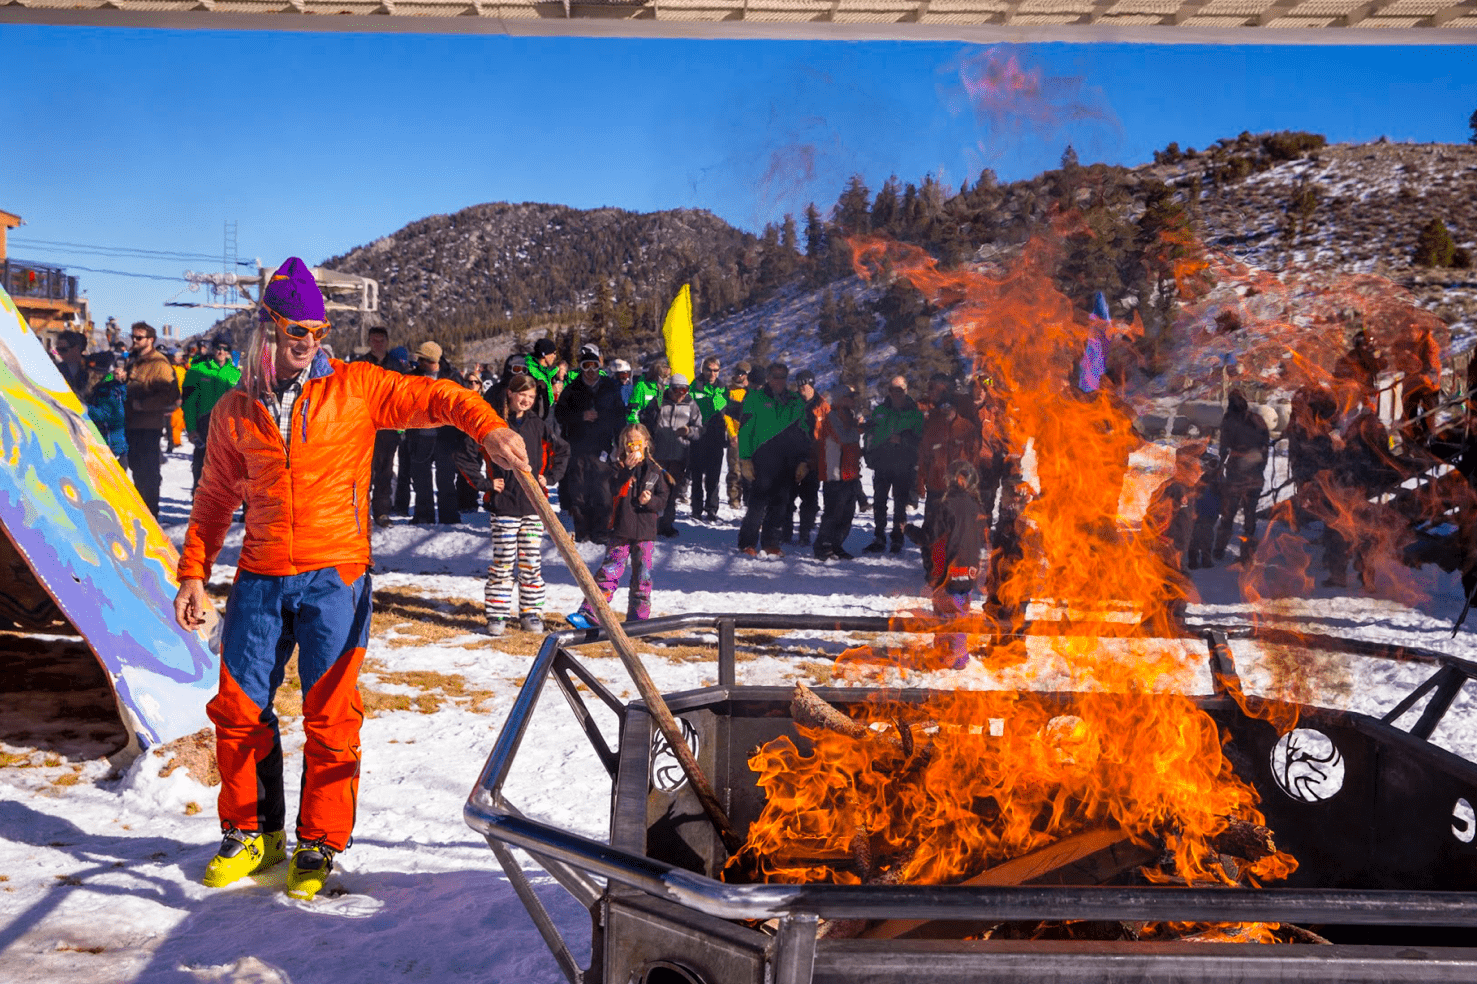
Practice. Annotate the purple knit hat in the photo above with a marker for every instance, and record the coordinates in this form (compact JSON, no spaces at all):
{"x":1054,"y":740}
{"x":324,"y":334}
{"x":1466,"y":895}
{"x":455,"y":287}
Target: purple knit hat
{"x":293,"y":293}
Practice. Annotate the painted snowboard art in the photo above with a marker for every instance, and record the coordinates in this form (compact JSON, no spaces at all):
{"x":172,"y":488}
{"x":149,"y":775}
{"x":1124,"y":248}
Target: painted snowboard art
{"x":89,"y":540}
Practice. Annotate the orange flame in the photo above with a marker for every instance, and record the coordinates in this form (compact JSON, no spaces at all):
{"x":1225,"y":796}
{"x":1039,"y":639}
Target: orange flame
{"x":984,"y":777}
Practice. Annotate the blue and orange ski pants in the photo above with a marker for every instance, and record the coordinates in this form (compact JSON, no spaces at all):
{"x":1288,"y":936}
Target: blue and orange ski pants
{"x":324,"y":614}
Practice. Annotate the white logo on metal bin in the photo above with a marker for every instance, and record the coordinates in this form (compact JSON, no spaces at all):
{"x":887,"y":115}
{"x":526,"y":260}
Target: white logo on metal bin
{"x":1466,"y":821}
{"x":666,"y":771}
{"x":1307,"y":765}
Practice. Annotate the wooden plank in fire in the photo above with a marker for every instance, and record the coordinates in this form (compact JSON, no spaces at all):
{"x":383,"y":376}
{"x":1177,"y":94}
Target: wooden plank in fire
{"x":1034,"y":866}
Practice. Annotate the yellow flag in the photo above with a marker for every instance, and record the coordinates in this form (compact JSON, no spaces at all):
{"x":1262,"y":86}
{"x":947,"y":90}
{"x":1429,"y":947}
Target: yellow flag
{"x":677,"y":332}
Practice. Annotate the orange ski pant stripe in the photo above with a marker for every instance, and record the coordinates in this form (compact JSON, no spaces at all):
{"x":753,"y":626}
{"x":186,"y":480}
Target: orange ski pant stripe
{"x":324,"y":615}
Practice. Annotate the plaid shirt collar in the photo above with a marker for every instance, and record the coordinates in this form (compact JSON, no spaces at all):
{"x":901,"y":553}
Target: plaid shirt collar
{"x":281,"y":407}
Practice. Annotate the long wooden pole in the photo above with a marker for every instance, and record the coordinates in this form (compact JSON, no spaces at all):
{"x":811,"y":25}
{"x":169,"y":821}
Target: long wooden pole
{"x":627,"y":653}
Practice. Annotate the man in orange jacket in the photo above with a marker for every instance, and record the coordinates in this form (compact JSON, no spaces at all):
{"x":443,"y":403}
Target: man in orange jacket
{"x":297,"y":438}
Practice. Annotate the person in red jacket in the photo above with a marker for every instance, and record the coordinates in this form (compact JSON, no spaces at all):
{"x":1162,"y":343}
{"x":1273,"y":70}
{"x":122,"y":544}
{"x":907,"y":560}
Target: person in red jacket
{"x":297,"y":437}
{"x":948,"y":436}
{"x":839,"y":457}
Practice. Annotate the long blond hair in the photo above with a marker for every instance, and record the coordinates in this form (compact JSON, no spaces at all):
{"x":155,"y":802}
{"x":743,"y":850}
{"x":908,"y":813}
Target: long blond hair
{"x":625,"y":435}
{"x":259,"y":365}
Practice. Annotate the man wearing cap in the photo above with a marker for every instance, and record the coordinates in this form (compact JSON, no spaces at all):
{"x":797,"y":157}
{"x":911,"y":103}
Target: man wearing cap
{"x":153,"y":393}
{"x":206,"y":381}
{"x":707,"y":451}
{"x":431,"y":451}
{"x":590,"y":414}
{"x":386,"y":442}
{"x":293,"y":441}
{"x":674,"y":424}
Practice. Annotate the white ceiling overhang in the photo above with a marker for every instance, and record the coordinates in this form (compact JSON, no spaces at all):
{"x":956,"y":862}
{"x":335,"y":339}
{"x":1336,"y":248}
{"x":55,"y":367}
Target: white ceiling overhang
{"x":1252,"y":22}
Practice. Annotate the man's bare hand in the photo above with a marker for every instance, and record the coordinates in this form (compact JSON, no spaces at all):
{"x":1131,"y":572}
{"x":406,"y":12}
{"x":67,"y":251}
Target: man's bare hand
{"x":498,"y":484}
{"x":506,"y":448}
{"x":190,"y":604}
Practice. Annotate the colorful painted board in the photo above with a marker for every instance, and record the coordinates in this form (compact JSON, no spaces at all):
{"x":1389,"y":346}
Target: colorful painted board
{"x":89,"y":539}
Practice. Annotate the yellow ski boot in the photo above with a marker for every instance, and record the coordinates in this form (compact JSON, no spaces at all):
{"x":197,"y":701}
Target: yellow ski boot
{"x":242,"y":853}
{"x":311,"y":864}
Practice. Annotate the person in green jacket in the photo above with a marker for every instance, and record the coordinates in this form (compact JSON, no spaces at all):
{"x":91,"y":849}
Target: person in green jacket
{"x":649,"y":389}
{"x":773,"y":450}
{"x":893,"y":437}
{"x":711,"y":397}
{"x":206,"y":381}
{"x":543,"y":366}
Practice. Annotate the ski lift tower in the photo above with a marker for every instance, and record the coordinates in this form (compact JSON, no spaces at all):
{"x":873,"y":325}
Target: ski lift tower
{"x":243,"y":292}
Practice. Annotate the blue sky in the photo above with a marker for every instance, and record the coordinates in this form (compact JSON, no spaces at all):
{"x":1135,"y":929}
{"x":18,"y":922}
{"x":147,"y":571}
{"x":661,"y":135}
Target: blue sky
{"x":316,"y":143}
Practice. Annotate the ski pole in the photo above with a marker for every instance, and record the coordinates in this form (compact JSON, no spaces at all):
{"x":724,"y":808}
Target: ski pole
{"x":665,"y":722}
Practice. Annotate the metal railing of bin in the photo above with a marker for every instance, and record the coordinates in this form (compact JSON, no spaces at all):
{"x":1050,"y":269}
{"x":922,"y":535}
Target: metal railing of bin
{"x":575,"y":861}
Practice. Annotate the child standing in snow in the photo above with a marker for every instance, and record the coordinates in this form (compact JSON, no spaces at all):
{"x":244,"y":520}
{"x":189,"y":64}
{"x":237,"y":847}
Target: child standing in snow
{"x":1207,"y":511}
{"x":517,"y":530}
{"x":640,"y":489}
{"x":954,"y":555}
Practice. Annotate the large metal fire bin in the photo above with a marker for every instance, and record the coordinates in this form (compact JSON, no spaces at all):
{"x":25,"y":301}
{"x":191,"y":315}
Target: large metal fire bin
{"x":1380,"y":820}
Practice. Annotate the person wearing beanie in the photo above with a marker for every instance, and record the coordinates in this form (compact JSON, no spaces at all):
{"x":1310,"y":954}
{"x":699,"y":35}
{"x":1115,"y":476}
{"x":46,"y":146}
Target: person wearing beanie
{"x":948,"y":436}
{"x":807,"y":488}
{"x":620,"y":371}
{"x":295,"y":438}
{"x":738,"y":389}
{"x":675,"y":424}
{"x":706,"y":457}
{"x":952,"y":559}
{"x":893,"y":434}
{"x":648,"y":389}
{"x":590,"y":415}
{"x":543,"y":366}
{"x":839,"y":456}
{"x":773,"y":444}
{"x":153,"y":393}
{"x":205,"y":382}
{"x":105,"y":404}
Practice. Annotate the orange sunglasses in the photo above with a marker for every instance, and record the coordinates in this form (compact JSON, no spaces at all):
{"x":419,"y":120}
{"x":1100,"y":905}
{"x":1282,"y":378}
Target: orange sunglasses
{"x":297,"y":329}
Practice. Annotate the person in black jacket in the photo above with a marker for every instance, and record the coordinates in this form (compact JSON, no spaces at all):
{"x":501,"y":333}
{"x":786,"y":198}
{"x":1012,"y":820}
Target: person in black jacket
{"x":675,"y":424}
{"x":954,"y":556}
{"x":640,"y":489}
{"x":517,"y":530}
{"x":386,"y":442}
{"x":1244,"y":443}
{"x":431,"y":451}
{"x":590,"y":414}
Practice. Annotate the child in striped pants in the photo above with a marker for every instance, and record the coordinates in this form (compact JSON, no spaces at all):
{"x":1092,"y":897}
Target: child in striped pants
{"x":517,"y":530}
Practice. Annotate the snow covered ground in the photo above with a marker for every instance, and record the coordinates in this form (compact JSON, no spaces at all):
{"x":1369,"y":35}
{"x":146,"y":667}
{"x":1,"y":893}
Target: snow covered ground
{"x":99,"y":871}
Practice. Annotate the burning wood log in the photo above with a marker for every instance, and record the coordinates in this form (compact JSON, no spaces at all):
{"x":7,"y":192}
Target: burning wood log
{"x":1017,"y":871}
{"x":1246,"y":840}
{"x":809,"y":709}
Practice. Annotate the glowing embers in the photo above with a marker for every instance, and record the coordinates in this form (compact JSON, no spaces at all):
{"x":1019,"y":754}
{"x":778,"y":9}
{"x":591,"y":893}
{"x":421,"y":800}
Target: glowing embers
{"x":1007,"y":788}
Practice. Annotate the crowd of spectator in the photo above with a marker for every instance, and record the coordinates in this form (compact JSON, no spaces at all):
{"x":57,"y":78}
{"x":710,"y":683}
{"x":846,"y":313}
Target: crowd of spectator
{"x":792,"y":457}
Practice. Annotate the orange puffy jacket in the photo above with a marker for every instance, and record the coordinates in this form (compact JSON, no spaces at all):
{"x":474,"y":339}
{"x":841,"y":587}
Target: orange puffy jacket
{"x":307,"y":502}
